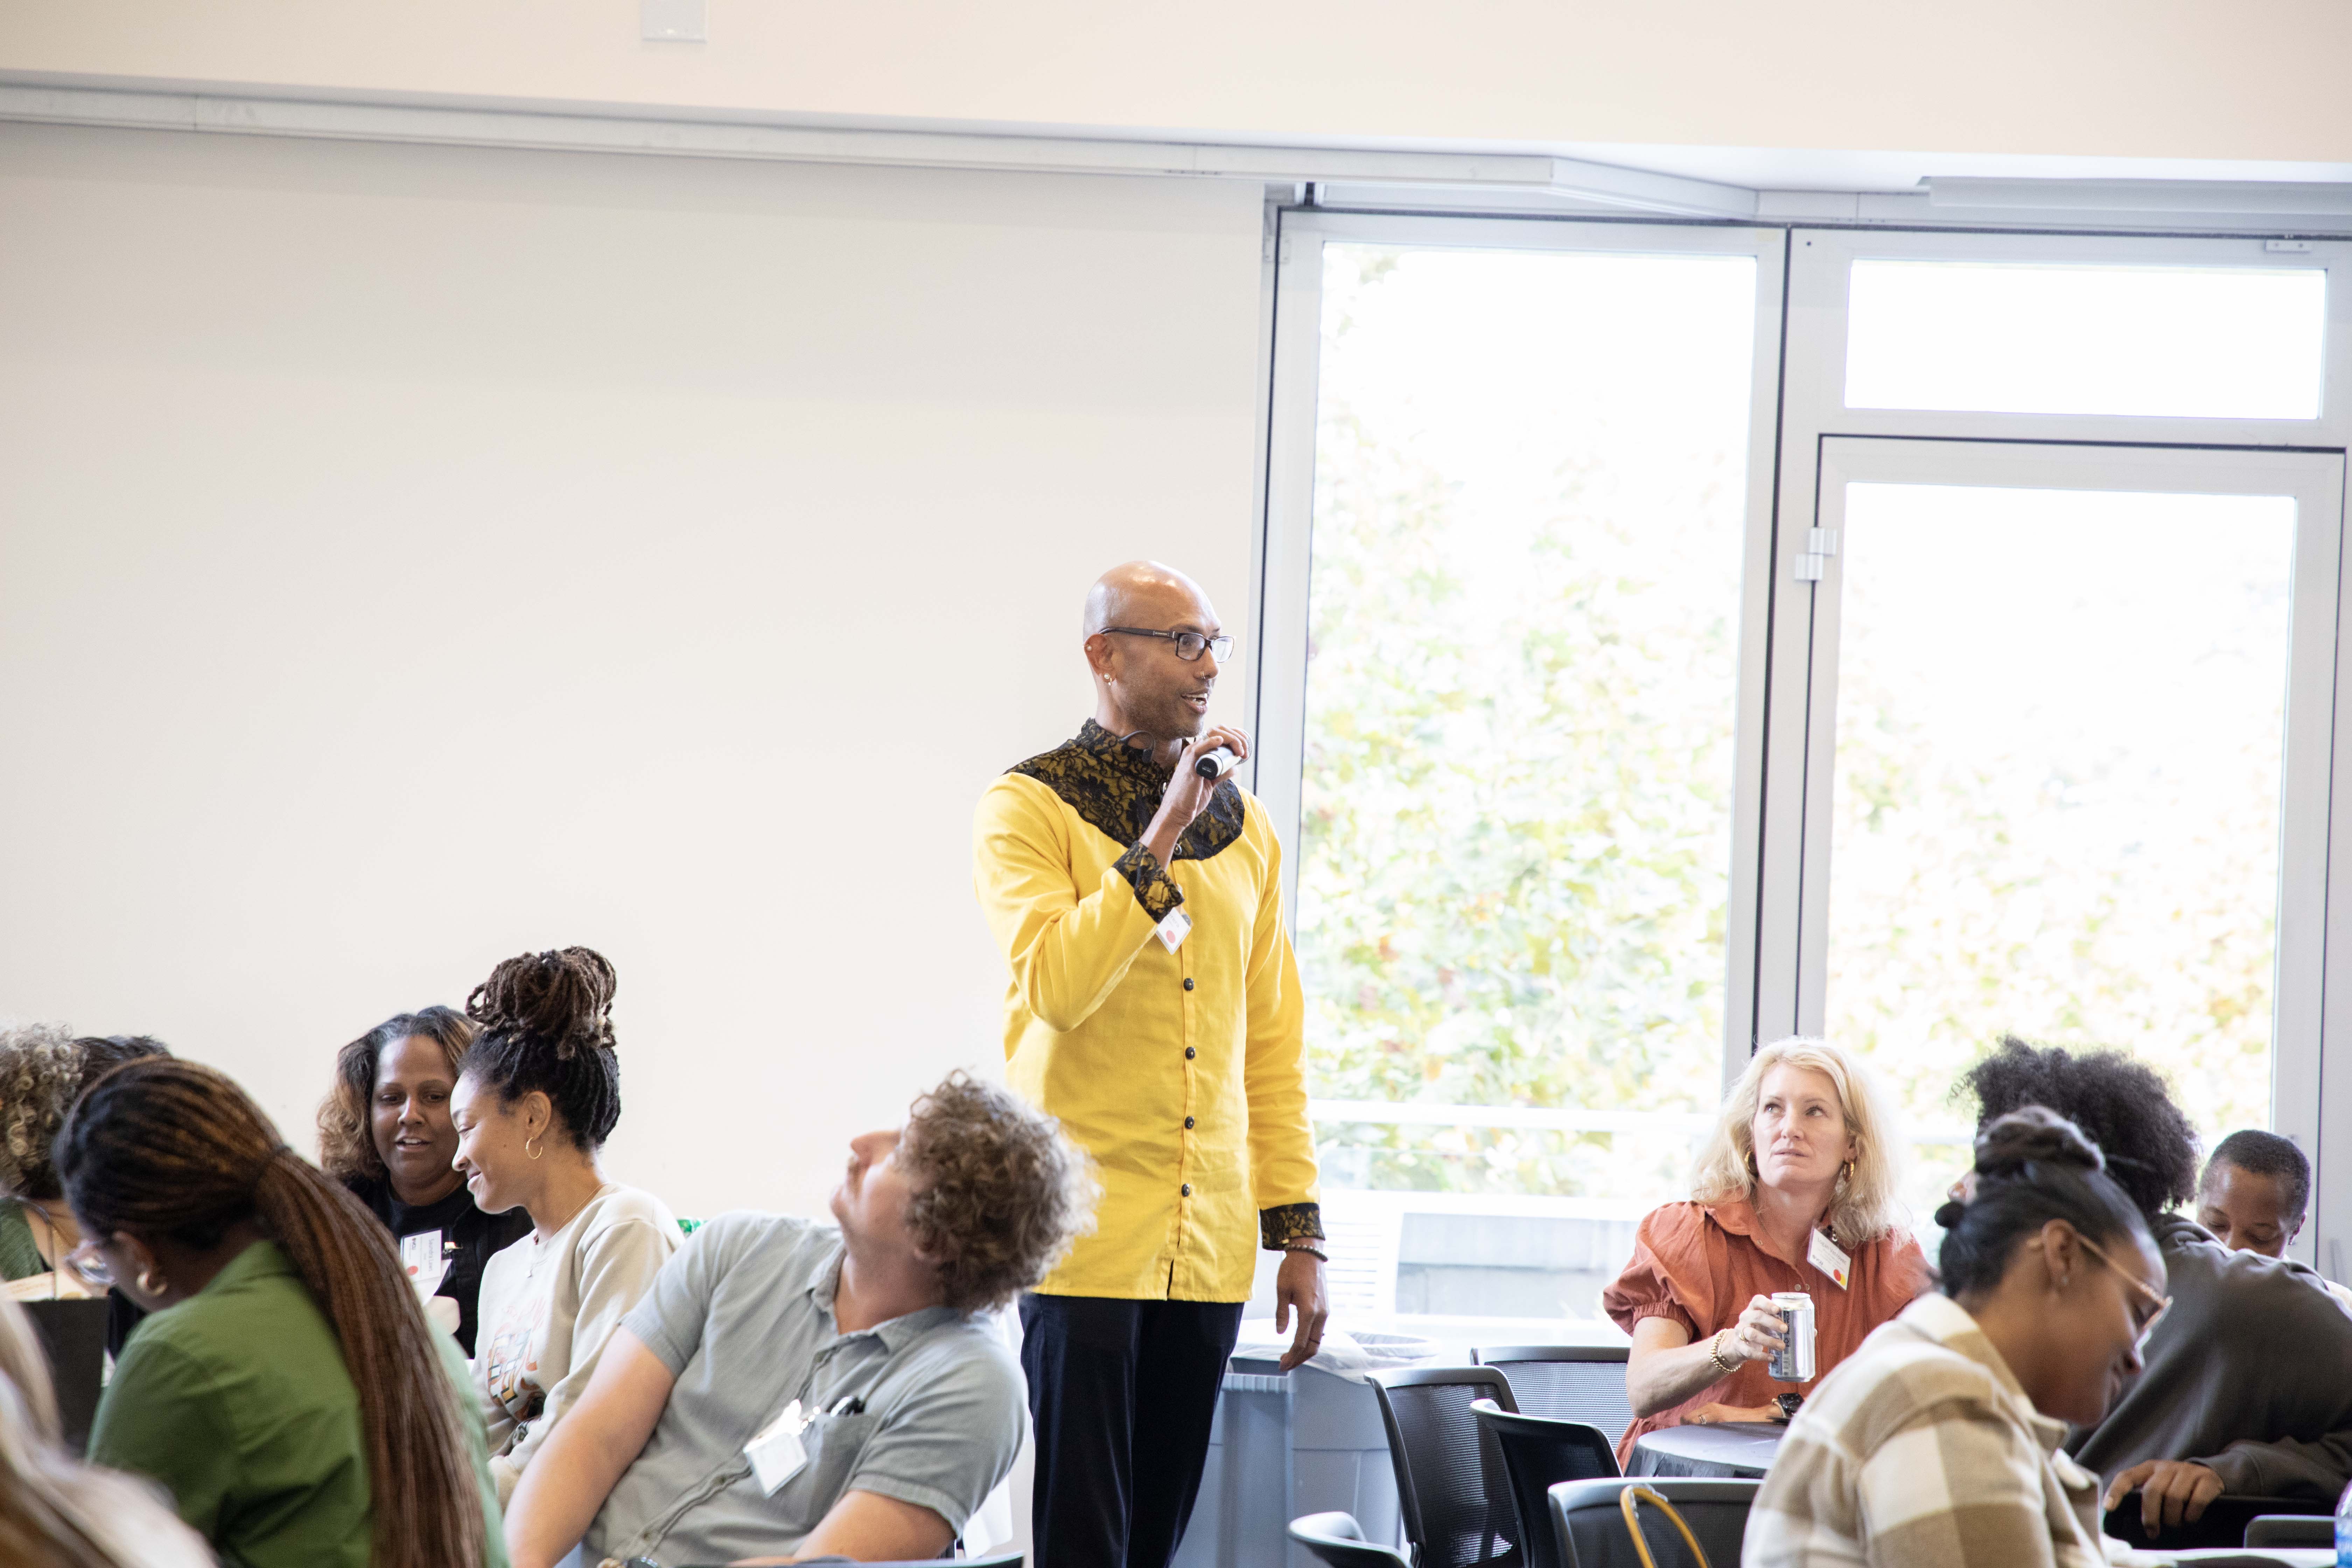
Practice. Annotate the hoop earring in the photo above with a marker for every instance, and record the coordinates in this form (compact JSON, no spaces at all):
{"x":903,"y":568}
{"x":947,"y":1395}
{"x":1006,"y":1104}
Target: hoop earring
{"x":150,"y":1283}
{"x":532,"y":1153}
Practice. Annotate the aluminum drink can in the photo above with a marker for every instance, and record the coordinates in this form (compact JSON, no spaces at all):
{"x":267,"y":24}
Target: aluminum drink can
{"x":1793,"y":1361}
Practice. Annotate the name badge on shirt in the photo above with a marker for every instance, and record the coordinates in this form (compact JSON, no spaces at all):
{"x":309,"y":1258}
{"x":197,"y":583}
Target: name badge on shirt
{"x":1174,"y":928}
{"x":1829,"y":1257}
{"x":421,"y":1259}
{"x":777,"y":1454}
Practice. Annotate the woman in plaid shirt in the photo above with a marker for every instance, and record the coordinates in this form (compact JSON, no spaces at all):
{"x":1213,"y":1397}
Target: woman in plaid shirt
{"x":1936,"y":1444}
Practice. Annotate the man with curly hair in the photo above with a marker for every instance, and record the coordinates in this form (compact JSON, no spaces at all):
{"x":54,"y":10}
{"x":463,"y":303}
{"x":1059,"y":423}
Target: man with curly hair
{"x":809,"y":1389}
{"x":2228,"y":1402}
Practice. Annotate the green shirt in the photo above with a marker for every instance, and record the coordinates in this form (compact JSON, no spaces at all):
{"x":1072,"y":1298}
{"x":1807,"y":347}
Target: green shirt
{"x":238,"y":1402}
{"x":20,"y":1258}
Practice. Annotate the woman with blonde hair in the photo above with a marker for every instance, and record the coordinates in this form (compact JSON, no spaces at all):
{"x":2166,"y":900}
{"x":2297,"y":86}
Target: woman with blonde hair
{"x":54,"y":1510}
{"x":1795,"y":1191}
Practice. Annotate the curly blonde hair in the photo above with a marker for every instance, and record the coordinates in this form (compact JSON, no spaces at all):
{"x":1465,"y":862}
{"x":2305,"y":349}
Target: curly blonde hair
{"x":43,"y":1068}
{"x":40,"y":1073}
{"x":1865,"y":1207}
{"x":999,"y":1192}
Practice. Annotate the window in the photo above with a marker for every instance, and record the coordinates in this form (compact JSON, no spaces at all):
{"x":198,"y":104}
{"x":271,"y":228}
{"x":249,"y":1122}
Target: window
{"x":2027,"y":338}
{"x":1660,"y":659}
{"x":1521,"y":695}
{"x":2058,"y":778}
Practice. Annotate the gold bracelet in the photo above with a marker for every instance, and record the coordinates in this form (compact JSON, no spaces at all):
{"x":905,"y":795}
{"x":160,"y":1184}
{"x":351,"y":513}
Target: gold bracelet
{"x":1714,"y":1351}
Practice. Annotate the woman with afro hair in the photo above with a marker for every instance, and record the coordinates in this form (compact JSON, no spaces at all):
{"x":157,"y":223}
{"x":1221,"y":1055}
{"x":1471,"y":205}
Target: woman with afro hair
{"x":2229,"y":1401}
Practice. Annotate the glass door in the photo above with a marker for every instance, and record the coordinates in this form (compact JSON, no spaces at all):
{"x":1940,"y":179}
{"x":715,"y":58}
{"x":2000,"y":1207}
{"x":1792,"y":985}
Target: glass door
{"x":2072,"y":706}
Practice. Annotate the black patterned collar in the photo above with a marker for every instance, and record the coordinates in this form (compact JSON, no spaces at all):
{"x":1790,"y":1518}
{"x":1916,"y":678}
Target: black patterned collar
{"x":1098,"y":741}
{"x":1115,"y":788}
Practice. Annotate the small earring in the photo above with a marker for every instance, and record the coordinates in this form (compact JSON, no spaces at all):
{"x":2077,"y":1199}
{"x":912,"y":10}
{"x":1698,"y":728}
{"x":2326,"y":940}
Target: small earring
{"x":530,"y":1153}
{"x":151,"y":1283}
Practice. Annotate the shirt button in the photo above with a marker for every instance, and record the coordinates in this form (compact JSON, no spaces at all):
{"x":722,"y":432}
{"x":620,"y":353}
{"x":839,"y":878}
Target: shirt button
{"x":1189,"y":1053}
{"x":1188,"y":983}
{"x":1188,"y":1124}
{"x":1186,"y":1191}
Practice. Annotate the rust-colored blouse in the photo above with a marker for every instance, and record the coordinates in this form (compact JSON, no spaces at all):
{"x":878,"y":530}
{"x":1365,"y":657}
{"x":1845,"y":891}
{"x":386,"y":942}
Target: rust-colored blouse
{"x":1699,"y":1263}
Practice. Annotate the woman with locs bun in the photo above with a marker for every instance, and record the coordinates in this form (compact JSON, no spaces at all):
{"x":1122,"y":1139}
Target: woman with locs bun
{"x":538,"y":1093}
{"x":1936,"y":1442}
{"x":287,"y":1390}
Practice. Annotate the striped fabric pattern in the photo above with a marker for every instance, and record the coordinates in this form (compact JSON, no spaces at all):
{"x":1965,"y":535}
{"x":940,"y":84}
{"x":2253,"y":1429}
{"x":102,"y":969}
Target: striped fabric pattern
{"x":1922,"y":1450}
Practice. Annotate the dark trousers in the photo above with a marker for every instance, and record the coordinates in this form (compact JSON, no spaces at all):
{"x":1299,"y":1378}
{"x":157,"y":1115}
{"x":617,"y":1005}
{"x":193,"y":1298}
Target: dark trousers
{"x":1122,"y":1394}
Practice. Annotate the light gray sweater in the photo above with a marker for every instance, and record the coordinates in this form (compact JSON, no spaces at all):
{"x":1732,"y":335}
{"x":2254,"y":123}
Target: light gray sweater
{"x":2249,"y":1375}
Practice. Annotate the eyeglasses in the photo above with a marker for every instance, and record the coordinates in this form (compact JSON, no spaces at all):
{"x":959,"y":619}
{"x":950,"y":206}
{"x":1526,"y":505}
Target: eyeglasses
{"x":90,"y":1264}
{"x":1189,"y":644}
{"x":2163,"y":1303}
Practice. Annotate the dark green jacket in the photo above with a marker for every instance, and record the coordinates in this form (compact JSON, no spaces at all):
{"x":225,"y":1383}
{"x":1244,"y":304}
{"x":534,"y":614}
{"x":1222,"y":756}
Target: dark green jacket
{"x":238,"y":1401}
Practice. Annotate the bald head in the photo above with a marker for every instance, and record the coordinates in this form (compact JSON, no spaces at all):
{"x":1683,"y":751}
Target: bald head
{"x":1146,"y":593}
{"x":1144,"y":685}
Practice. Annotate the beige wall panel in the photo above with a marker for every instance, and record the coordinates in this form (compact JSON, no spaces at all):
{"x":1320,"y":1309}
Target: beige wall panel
{"x":413,"y":557}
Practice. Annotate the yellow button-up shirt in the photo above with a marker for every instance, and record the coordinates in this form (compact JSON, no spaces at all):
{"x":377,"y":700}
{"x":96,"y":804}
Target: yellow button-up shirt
{"x":1183,"y":1073}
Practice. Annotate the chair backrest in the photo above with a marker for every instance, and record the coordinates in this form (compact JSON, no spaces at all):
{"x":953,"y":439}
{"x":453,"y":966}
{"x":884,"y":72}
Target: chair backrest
{"x":1591,"y":1530}
{"x":73,"y":1337}
{"x":1538,"y":1455}
{"x":1338,"y":1540}
{"x":1003,"y":1560}
{"x":2223,"y":1523}
{"x":1452,"y":1490}
{"x":1567,"y":1383}
{"x":2291,"y":1530}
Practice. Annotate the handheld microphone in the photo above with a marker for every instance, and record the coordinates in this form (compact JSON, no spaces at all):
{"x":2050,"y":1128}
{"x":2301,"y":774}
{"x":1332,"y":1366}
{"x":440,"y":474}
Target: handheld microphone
{"x":1216,"y":764}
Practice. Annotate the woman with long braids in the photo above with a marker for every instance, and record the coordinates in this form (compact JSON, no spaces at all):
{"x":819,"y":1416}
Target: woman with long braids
{"x":287,"y":1391}
{"x":539,"y":1092}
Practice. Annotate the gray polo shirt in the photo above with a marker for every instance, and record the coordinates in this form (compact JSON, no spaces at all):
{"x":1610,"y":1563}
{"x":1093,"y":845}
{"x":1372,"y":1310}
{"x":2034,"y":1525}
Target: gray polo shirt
{"x":743,"y":1316}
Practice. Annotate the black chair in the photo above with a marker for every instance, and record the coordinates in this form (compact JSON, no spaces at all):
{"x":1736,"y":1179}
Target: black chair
{"x":1538,"y":1455}
{"x":1567,"y":1383}
{"x":2224,"y":1521}
{"x":1452,"y":1492}
{"x":1003,"y":1560}
{"x":1338,"y":1540}
{"x":1591,"y":1528}
{"x":2291,"y":1530}
{"x":73,"y":1338}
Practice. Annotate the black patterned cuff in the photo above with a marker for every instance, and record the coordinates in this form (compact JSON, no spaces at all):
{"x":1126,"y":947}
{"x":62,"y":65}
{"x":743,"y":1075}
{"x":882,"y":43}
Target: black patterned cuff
{"x":1154,"y":889}
{"x":1276,"y":1228}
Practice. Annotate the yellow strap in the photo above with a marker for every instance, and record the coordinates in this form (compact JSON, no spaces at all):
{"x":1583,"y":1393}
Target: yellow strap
{"x":1625,"y":1504}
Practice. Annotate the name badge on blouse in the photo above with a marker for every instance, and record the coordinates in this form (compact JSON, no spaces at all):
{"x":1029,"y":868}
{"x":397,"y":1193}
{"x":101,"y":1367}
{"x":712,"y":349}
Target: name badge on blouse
{"x":421,"y":1260}
{"x":1829,"y":1257}
{"x":777,"y":1454}
{"x":1174,"y":928}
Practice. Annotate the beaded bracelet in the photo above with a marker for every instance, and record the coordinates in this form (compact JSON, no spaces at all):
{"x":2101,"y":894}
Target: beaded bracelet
{"x":1714,"y":1351}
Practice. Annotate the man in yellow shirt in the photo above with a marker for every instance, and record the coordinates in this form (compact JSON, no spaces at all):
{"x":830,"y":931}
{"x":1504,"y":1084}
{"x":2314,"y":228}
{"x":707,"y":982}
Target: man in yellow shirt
{"x":1153,"y":1006}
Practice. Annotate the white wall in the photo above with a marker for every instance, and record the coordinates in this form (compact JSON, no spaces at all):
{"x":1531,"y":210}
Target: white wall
{"x":2148,"y":79}
{"x":409,"y":557}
